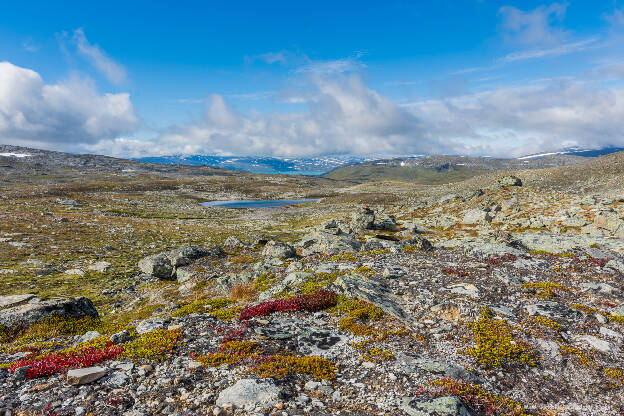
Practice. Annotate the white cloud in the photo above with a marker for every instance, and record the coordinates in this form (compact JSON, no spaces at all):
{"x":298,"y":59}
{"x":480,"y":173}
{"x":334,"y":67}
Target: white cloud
{"x":344,"y":117}
{"x":63,"y":114}
{"x":559,"y":50}
{"x":534,"y":26}
{"x":331,"y":67}
{"x":516,"y":121}
{"x":347,"y":117}
{"x":113,"y":71}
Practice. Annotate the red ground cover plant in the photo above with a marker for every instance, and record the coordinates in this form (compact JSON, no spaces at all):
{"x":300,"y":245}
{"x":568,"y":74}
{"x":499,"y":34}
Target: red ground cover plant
{"x":312,"y":302}
{"x":61,"y":361}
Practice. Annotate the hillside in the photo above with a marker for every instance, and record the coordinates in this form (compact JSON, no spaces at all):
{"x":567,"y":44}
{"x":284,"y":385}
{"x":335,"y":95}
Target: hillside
{"x":502,"y":294}
{"x":442,"y":169}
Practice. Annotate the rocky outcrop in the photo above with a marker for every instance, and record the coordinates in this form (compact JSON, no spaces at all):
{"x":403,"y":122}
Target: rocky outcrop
{"x":164,"y":265}
{"x":28,"y":309}
{"x":326,"y":243}
{"x":370,"y":290}
{"x":279,"y":250}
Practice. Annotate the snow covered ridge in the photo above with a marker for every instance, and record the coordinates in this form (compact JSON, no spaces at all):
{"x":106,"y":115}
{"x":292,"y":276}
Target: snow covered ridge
{"x":15,"y":155}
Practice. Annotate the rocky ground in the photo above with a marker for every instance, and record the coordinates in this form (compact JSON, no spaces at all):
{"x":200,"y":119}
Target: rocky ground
{"x":489,"y":297}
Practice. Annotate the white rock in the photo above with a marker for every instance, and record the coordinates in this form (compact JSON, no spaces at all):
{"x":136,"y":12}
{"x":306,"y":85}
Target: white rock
{"x":596,"y":343}
{"x":85,"y":375}
{"x":250,"y":393}
{"x":100,"y":266}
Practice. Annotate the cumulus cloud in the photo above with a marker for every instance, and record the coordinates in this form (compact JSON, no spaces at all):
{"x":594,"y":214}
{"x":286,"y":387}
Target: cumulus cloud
{"x":534,"y":26}
{"x":345,"y":116}
{"x":113,"y":71}
{"x":62,"y":114}
{"x":521,"y":120}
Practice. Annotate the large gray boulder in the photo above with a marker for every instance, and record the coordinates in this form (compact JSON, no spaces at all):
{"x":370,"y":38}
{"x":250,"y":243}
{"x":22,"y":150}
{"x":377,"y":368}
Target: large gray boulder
{"x":33,"y":309}
{"x":319,"y":242}
{"x":370,"y":290}
{"x":158,"y":265}
{"x":363,"y":219}
{"x":164,"y":265}
{"x":279,"y":250}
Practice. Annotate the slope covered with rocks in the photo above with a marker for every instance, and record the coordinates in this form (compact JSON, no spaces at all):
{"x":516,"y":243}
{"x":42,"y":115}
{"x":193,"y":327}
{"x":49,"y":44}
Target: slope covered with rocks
{"x":499,"y":299}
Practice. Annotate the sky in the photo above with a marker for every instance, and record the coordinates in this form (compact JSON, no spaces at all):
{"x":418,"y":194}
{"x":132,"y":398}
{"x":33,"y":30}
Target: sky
{"x":303,"y":79}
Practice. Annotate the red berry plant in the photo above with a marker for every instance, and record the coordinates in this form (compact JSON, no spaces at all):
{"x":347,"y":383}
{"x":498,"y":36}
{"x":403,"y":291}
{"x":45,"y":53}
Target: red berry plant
{"x":83,"y":356}
{"x":312,"y":302}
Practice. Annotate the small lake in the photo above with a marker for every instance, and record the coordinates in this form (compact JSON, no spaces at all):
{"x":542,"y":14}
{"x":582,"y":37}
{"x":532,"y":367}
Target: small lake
{"x":257,"y":203}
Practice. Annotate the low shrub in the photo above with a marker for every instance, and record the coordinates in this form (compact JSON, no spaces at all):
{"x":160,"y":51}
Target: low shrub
{"x":312,"y":302}
{"x":496,"y":345}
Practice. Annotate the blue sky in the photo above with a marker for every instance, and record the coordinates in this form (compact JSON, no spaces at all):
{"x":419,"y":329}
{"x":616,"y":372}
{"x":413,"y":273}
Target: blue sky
{"x":294,"y":79}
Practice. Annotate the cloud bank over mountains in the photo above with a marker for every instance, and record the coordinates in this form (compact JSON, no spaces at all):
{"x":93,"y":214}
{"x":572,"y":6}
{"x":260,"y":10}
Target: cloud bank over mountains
{"x":336,"y":111}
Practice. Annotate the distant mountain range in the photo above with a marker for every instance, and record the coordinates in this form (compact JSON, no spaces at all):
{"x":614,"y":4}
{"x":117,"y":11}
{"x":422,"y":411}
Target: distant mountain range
{"x":297,"y":166}
{"x":325,"y":164}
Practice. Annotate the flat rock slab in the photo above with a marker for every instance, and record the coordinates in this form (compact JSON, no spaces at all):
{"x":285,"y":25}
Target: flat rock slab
{"x":372,"y":291}
{"x":557,"y":243}
{"x":411,"y":364}
{"x":440,"y":406}
{"x":85,"y":375}
{"x":35,"y":309}
{"x":552,"y":310}
{"x":250,"y":393}
{"x":14,"y":300}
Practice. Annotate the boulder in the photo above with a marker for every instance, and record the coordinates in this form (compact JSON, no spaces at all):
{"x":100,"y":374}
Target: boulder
{"x":509,"y":181}
{"x":363,"y":219}
{"x":79,"y":376}
{"x":164,"y":265}
{"x":279,"y":250}
{"x":158,"y":265}
{"x":370,"y":290}
{"x":35,"y":309}
{"x":185,"y":255}
{"x":250,"y":393}
{"x":476,"y":216}
{"x":325,"y":243}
